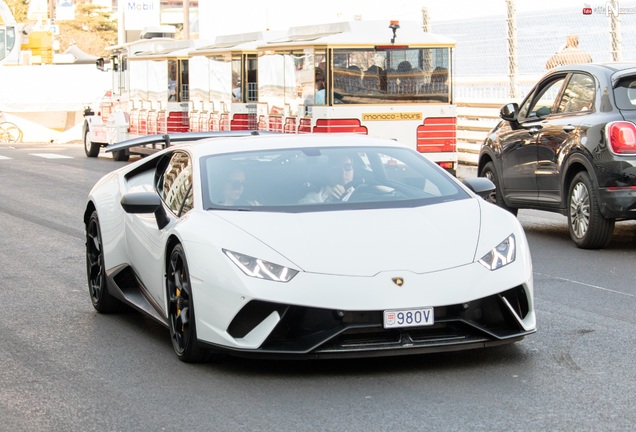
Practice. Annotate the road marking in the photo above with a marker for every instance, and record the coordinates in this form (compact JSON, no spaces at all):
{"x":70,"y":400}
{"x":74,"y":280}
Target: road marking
{"x":4,"y":157}
{"x":50,"y":156}
{"x":587,"y":285}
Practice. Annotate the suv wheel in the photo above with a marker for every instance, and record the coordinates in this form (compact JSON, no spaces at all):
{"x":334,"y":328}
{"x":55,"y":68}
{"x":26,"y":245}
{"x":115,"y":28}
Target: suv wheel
{"x":588,"y":228}
{"x":488,"y":171}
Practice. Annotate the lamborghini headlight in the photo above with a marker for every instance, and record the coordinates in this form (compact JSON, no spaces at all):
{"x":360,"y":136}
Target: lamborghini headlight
{"x":261,"y":269}
{"x":501,"y":255}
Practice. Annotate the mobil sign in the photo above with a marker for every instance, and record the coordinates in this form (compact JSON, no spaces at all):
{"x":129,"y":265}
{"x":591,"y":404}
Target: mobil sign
{"x":139,"y":14}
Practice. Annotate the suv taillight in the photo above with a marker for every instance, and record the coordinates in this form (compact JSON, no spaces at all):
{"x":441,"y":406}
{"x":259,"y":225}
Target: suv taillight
{"x":621,"y":136}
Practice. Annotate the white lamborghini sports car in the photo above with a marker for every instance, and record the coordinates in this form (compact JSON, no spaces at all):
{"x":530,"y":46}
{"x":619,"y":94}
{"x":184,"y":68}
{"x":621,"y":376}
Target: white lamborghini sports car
{"x":307,"y":246}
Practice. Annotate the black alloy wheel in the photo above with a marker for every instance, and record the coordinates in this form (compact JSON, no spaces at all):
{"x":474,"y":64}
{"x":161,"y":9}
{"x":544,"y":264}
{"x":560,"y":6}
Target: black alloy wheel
{"x":181,"y":309}
{"x":102,"y":301}
{"x":588,"y":228}
{"x":489,"y":172}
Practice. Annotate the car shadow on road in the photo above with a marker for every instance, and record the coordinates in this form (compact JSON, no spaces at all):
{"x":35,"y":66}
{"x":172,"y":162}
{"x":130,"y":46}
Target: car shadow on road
{"x":406,"y":364}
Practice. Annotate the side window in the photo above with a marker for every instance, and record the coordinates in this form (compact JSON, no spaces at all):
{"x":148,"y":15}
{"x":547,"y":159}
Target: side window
{"x":543,"y":103}
{"x":578,"y":95}
{"x":175,"y":185}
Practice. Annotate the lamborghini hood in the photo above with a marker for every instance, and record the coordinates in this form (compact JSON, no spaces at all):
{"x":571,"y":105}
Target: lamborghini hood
{"x":366,"y":242}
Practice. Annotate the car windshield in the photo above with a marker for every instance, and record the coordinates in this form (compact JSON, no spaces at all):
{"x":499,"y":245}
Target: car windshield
{"x":625,"y":93}
{"x":311,"y":179}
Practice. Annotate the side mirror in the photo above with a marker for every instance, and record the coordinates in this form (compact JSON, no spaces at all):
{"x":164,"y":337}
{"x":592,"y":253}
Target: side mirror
{"x":145,"y":202}
{"x":509,"y":112}
{"x":480,"y":185}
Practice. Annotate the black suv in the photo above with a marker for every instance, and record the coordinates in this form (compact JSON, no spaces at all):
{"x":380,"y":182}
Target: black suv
{"x":570,"y":148}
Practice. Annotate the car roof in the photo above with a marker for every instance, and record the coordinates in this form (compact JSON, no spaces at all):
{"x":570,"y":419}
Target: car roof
{"x":610,"y":71}
{"x":224,"y":145}
{"x":607,"y":68}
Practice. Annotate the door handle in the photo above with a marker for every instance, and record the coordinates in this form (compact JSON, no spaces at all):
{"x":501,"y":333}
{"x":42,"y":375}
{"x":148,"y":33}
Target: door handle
{"x":569,"y":128}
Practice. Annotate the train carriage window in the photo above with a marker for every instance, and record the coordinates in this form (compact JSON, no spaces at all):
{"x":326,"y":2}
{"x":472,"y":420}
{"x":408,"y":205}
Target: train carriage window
{"x":237,"y":80}
{"x":178,"y":81}
{"x":286,"y":79}
{"x":321,"y":76}
{"x":173,"y":82}
{"x":252,"y":78}
{"x":184,"y":82}
{"x":403,"y":75}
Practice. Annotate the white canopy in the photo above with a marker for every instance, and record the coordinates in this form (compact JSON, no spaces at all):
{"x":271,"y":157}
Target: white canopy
{"x":44,"y":88}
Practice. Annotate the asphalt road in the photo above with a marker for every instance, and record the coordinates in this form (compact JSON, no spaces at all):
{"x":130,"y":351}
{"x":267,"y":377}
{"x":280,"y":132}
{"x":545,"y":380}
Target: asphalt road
{"x":66,"y":368}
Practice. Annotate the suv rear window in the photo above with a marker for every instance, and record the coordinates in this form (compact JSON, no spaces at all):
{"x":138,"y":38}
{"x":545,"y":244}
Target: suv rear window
{"x":625,"y":93}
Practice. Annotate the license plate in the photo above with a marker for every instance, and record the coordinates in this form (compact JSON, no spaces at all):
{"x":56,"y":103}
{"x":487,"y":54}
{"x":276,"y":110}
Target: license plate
{"x":408,"y":318}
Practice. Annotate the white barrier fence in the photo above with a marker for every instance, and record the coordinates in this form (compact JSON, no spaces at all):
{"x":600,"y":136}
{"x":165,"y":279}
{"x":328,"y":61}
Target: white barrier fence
{"x":475,"y":118}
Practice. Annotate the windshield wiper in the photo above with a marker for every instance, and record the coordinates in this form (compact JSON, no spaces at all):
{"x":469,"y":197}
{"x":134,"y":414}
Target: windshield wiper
{"x":230,"y":208}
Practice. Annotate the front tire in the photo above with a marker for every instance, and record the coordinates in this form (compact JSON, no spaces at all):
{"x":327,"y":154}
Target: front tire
{"x":489,"y":172}
{"x":90,"y":148}
{"x":588,"y":228}
{"x":183,"y":332}
{"x":102,"y":301}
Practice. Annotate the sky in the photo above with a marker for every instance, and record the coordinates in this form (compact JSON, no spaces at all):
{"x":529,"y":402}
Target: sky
{"x":262,"y":15}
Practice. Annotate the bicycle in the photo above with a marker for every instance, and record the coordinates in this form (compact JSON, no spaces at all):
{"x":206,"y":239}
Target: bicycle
{"x":9,"y":132}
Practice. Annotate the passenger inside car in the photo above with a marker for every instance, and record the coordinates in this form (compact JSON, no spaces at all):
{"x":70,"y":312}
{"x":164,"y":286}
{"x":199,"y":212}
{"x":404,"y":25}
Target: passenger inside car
{"x":233,"y":189}
{"x":337,"y":184}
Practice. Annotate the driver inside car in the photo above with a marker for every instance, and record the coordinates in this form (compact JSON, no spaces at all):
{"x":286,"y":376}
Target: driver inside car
{"x":338,"y":187}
